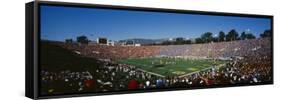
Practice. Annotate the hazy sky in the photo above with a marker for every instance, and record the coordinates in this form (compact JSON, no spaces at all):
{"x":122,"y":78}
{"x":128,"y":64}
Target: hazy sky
{"x":59,"y":23}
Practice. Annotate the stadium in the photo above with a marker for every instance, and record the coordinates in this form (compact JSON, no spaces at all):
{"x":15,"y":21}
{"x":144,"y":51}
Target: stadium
{"x":78,"y":68}
{"x":106,"y":50}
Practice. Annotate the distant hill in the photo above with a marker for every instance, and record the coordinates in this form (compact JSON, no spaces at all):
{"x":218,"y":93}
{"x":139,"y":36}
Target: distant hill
{"x":144,"y":41}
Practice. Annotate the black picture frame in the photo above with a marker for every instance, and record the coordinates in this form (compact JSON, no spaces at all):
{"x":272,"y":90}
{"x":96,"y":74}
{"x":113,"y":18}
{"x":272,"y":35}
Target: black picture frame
{"x":32,"y":32}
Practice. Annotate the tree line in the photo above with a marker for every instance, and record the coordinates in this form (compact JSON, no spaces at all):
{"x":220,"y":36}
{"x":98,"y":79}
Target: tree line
{"x":208,"y":37}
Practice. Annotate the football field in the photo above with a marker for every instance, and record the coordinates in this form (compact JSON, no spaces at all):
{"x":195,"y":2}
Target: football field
{"x":171,"y":66}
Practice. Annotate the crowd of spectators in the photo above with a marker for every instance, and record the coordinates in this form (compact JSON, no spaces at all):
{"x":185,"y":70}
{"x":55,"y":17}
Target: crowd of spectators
{"x":221,"y":49}
{"x":211,"y":50}
{"x":251,"y":63}
{"x":113,"y":52}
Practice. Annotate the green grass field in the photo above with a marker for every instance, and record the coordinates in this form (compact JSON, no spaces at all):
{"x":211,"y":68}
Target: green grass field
{"x":171,"y":66}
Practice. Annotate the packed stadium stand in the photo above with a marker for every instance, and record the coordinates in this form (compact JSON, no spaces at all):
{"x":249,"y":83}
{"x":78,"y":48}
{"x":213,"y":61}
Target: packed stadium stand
{"x":251,"y":63}
{"x":252,"y":47}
